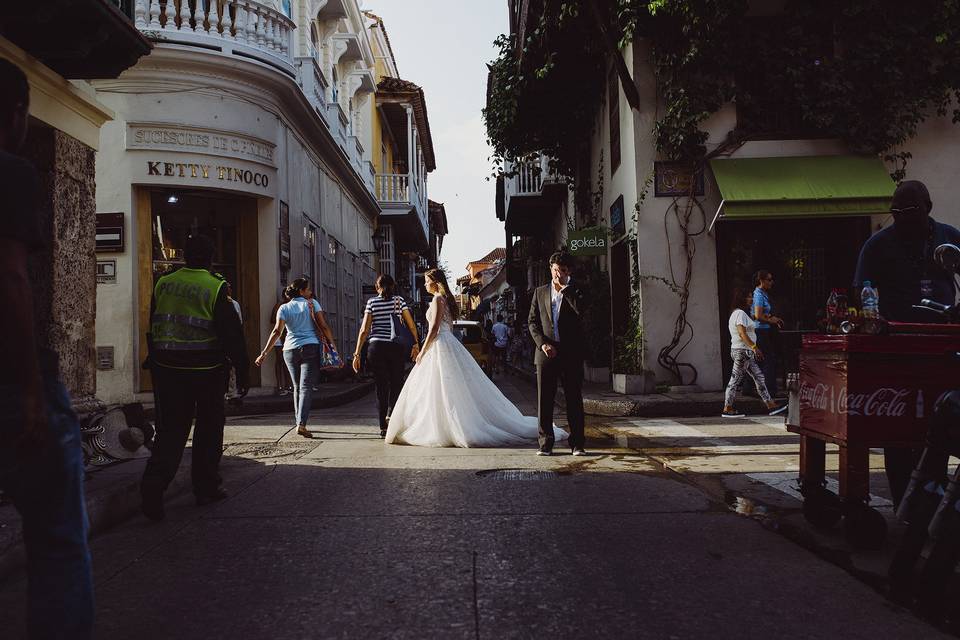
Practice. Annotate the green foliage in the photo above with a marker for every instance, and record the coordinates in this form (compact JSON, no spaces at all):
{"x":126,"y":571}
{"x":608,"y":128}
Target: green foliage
{"x":629,"y":347}
{"x":866,"y":71}
{"x":596,"y":315}
{"x":543,"y":92}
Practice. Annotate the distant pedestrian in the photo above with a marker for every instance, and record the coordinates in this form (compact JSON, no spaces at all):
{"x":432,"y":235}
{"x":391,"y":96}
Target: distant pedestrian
{"x":767,"y":326}
{"x":304,"y":322}
{"x":195,"y":336}
{"x":280,"y":371}
{"x":385,"y":355}
{"x":41,"y":464}
{"x":232,"y":396}
{"x":746,"y":355}
{"x":501,"y":339}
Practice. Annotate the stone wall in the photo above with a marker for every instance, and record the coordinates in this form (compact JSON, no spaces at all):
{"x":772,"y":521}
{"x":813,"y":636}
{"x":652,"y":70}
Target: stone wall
{"x":64,"y":273}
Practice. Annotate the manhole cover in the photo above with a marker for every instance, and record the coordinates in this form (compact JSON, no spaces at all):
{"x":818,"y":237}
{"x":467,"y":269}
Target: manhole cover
{"x":518,"y":474}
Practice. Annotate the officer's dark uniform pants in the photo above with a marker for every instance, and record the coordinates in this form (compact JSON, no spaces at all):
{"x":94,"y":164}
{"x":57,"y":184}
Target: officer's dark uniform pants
{"x":181,"y":396}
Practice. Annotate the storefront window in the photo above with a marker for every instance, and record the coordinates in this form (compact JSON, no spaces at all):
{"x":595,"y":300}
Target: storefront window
{"x":175,"y":216}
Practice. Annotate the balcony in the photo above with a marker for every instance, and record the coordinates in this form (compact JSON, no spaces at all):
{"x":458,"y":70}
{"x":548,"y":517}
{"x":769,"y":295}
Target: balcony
{"x":532,"y":195}
{"x":399,"y":194}
{"x":242,"y":28}
{"x":313,"y":84}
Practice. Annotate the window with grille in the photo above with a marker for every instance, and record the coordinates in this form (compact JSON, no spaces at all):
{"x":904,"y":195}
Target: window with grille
{"x":613,"y":108}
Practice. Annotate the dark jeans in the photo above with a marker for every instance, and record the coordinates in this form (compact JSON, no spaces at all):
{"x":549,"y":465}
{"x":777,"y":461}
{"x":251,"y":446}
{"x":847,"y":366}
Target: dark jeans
{"x":569,"y":372}
{"x":302,"y":365}
{"x":47,"y":490}
{"x":386,"y":361}
{"x":768,"y":346}
{"x":181,"y":396}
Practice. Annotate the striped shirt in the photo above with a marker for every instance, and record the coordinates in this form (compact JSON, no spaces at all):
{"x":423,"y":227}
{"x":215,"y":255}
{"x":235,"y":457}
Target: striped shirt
{"x":381,"y":309}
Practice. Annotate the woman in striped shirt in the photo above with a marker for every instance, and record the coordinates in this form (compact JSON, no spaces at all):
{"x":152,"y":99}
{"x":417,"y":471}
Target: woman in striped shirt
{"x":385,"y":357}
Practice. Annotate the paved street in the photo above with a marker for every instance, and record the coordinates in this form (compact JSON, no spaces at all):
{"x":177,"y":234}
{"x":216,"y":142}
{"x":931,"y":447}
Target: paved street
{"x":344,"y":537}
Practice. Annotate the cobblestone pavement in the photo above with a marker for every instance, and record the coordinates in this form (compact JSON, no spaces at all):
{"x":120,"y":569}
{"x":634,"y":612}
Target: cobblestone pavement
{"x":344,"y":537}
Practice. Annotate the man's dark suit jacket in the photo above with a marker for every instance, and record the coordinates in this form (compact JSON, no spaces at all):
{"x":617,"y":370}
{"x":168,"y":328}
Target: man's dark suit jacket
{"x":540,"y":322}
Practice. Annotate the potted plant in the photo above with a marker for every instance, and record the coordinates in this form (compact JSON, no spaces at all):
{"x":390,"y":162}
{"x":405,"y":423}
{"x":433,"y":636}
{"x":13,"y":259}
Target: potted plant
{"x":629,"y":376}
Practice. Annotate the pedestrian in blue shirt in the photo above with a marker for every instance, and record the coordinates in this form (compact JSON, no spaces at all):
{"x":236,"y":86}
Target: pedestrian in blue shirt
{"x":763,"y":315}
{"x":303,"y":319}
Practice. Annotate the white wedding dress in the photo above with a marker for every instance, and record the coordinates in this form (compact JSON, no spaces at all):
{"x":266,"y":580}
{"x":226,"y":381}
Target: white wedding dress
{"x":448,"y":401}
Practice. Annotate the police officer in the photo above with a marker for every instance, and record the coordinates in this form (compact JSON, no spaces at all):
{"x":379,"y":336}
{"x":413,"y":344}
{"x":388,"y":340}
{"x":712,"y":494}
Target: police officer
{"x":195,"y":337}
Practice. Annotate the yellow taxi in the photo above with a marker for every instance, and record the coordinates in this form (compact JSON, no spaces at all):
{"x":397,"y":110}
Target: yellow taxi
{"x":470,"y":333}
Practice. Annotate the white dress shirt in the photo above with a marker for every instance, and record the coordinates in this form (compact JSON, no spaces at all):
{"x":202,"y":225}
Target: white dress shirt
{"x":556,"y":297}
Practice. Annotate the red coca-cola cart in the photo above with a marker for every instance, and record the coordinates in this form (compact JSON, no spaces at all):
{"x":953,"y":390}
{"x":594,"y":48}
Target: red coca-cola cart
{"x":860,"y":392}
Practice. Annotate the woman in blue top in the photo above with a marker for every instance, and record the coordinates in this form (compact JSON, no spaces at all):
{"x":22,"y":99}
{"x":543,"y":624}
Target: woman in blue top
{"x":302,"y":317}
{"x":763,"y":315}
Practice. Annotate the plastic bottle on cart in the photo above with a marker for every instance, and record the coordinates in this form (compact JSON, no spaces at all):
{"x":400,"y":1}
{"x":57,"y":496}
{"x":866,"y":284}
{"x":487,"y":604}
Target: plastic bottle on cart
{"x":870,"y":306}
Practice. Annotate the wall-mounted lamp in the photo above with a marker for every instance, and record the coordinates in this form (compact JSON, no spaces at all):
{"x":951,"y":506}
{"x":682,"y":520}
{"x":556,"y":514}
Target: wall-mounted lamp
{"x":173,"y":199}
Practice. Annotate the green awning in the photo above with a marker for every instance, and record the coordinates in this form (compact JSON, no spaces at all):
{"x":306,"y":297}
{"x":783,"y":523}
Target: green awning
{"x":802,"y":187}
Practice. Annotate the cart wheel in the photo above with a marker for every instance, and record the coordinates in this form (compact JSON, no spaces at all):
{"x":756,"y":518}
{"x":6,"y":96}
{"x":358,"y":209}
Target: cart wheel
{"x":864,"y":527}
{"x":822,"y":508}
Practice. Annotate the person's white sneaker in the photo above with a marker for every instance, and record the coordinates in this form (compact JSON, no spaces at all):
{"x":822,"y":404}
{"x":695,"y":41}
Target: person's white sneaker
{"x":778,"y":410}
{"x":544,"y":452}
{"x":578,"y":452}
{"x":732,"y":414}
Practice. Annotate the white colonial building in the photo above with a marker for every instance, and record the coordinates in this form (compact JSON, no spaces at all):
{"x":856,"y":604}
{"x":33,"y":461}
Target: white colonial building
{"x":254,"y":123}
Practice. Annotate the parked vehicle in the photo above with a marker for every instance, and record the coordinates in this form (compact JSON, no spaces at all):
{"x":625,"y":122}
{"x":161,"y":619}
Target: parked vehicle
{"x":471,"y":335}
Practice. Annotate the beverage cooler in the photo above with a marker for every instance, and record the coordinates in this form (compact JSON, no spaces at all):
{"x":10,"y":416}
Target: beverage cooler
{"x":859,"y":392}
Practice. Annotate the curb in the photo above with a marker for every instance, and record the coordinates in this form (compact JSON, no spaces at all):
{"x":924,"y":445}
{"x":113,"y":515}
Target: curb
{"x":652,"y":406}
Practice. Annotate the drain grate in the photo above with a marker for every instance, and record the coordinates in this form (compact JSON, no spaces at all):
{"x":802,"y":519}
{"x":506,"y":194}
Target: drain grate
{"x":518,"y":474}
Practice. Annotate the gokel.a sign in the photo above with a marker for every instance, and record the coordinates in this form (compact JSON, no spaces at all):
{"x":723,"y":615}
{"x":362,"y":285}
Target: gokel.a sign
{"x":587,"y":242}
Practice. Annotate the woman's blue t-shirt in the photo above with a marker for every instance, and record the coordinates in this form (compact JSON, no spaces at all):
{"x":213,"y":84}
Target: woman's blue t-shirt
{"x":762,"y":300}
{"x":300,"y":327}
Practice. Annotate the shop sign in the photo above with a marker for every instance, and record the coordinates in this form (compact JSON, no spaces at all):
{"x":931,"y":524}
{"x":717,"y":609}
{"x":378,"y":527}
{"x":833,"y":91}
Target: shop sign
{"x":673,"y":179}
{"x":617,"y":222}
{"x":210,"y":172}
{"x":109,"y":237}
{"x":588,"y":242}
{"x":196,"y":140}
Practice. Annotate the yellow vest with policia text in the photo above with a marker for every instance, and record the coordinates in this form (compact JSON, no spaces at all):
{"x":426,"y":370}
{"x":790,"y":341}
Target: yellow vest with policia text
{"x":182,"y":322}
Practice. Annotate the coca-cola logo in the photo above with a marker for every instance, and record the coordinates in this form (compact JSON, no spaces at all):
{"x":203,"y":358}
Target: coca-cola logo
{"x":885,"y":402}
{"x":815,"y":396}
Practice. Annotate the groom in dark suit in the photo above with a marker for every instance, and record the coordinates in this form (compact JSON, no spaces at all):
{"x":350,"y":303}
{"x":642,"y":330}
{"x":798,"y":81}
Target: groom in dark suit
{"x":557,"y":329}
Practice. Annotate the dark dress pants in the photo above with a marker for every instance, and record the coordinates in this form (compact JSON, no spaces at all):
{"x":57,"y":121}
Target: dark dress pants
{"x":181,"y":396}
{"x":567,"y":371}
{"x":386,"y":360}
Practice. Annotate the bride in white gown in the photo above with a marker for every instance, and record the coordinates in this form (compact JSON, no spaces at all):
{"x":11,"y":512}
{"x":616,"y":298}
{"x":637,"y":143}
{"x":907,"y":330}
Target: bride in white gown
{"x":447,"y":400}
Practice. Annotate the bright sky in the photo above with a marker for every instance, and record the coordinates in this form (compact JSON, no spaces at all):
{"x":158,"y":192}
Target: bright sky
{"x":443,"y":46}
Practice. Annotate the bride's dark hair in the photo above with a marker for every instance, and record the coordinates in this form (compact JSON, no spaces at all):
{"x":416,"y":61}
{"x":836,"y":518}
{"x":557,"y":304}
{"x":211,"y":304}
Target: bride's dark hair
{"x":438,"y":276}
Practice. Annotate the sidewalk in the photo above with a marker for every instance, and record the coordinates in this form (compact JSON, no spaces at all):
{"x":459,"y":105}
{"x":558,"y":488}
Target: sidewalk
{"x":113,"y":493}
{"x":600,"y":400}
{"x":263,"y":400}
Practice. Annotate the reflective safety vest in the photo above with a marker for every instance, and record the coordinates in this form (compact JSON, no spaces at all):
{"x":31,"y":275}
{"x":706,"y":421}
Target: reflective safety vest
{"x":184,"y":303}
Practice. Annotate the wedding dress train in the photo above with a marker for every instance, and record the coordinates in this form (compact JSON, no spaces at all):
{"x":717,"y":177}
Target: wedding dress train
{"x":448,"y":401}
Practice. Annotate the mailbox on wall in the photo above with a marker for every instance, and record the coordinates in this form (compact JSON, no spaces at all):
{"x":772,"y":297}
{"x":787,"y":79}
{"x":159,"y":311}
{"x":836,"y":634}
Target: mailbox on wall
{"x":110,"y":236}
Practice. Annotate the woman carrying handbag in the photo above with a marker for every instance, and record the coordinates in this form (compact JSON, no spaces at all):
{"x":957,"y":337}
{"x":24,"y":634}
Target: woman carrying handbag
{"x":388,"y":323}
{"x":303,"y":319}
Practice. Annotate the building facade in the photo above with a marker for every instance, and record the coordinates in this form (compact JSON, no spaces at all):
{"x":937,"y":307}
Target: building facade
{"x":59,"y":51}
{"x":635,"y":199}
{"x":256,"y":124}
